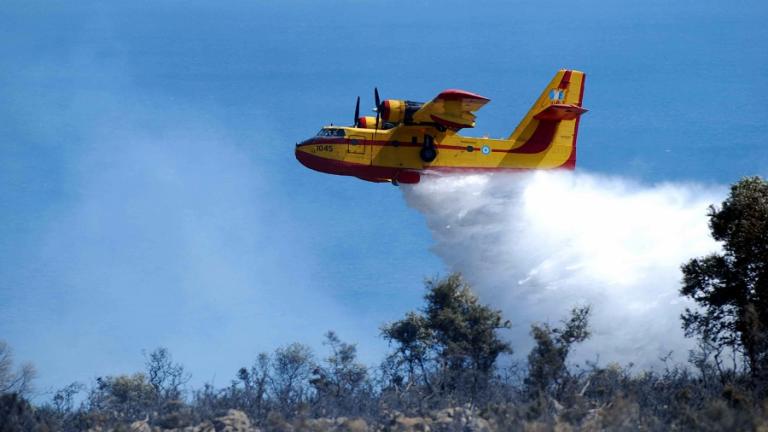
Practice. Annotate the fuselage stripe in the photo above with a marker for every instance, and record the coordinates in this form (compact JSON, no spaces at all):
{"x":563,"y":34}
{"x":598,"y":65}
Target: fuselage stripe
{"x":381,"y":143}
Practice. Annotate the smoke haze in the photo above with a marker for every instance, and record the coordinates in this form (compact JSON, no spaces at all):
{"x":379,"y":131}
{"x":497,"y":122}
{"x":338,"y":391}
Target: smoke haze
{"x":537,"y":244}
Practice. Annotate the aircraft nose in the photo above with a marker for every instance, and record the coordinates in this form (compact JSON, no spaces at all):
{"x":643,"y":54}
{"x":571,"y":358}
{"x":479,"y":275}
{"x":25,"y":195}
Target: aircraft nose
{"x":303,"y":156}
{"x":305,"y":153}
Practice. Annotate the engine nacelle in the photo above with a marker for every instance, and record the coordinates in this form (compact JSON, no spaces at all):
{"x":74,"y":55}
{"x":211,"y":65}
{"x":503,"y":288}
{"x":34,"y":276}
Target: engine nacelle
{"x":393,"y":111}
{"x":399,"y":111}
{"x":368,"y":122}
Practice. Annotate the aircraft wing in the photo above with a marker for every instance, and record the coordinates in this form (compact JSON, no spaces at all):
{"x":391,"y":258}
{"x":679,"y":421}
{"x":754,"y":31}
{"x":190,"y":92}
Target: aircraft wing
{"x":452,"y":108}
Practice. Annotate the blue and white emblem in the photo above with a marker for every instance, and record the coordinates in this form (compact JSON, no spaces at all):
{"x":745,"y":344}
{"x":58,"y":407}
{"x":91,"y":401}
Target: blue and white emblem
{"x":486,"y":150}
{"x":556,"y":94}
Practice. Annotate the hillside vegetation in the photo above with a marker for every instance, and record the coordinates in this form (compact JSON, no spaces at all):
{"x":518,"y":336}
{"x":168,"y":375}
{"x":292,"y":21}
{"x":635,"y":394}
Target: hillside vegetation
{"x":449,"y":370}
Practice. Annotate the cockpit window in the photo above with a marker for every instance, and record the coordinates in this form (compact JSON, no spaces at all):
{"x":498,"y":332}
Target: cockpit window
{"x":331,"y":132}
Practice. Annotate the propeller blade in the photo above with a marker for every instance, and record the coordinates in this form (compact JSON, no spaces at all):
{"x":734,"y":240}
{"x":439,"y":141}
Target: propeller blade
{"x":357,"y":112}
{"x":378,"y":108}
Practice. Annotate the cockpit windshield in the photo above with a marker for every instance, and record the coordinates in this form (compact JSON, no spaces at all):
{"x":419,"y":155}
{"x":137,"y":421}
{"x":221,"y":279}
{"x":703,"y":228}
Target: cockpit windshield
{"x":327,"y":132}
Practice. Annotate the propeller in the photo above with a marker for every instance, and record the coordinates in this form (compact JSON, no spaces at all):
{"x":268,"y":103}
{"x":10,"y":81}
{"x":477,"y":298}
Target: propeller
{"x":357,"y":113}
{"x":378,"y":106}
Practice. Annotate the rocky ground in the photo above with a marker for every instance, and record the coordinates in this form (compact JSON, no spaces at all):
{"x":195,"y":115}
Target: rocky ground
{"x":452,"y":419}
{"x":446,"y":420}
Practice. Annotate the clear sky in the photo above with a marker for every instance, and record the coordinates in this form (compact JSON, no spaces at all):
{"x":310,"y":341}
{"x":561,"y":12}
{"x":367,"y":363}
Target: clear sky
{"x":149,"y":194}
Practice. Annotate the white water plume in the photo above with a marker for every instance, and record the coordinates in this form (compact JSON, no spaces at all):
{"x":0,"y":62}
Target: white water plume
{"x":537,"y":244}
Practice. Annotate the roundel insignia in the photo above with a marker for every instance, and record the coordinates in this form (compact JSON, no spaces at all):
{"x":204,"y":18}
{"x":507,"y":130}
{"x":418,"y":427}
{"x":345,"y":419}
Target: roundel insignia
{"x":486,"y":150}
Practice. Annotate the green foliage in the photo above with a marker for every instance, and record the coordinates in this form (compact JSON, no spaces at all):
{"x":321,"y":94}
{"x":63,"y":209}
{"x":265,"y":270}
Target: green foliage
{"x":292,"y":367}
{"x":155,"y":395}
{"x":464,"y":331}
{"x":341,"y":383}
{"x":119,"y":399}
{"x":451,"y":346}
{"x":731,"y":288}
{"x":64,"y":398}
{"x":256,"y":381}
{"x":412,"y":338}
{"x":165,"y":376}
{"x":279,"y":384}
{"x":547,"y":369}
{"x":16,"y":414}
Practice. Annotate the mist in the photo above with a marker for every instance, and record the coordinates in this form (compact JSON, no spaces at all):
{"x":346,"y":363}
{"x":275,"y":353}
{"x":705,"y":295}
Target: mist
{"x":166,"y":231}
{"x":537,"y":244}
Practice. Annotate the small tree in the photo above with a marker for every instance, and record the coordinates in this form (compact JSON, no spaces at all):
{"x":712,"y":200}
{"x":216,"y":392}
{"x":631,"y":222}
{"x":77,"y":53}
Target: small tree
{"x":17,"y":414}
{"x":167,"y":380}
{"x":731,"y":288}
{"x":413,"y":348}
{"x":464,"y":330}
{"x":256,"y":382}
{"x":165,"y":376}
{"x":64,"y":398}
{"x":120,"y":400}
{"x":340,"y":381}
{"x":547,"y":369}
{"x":451,"y":346}
{"x":292,"y":367}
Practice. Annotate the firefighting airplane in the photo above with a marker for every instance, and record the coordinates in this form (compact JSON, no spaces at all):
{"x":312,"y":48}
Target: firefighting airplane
{"x":408,"y":139}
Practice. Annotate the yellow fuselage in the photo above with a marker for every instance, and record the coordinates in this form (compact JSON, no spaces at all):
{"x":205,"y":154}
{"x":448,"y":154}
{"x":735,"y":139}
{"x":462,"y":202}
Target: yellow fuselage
{"x":544,"y":139}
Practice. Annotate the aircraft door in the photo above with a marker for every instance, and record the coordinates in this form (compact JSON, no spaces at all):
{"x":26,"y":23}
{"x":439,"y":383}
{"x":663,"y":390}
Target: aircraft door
{"x":356,"y":145}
